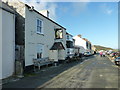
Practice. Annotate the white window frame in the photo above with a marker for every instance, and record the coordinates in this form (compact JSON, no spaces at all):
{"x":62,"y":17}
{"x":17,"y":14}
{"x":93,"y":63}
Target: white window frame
{"x":40,"y":26}
{"x":40,"y":51}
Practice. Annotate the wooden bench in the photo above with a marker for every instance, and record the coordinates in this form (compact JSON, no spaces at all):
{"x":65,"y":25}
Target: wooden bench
{"x":40,"y":62}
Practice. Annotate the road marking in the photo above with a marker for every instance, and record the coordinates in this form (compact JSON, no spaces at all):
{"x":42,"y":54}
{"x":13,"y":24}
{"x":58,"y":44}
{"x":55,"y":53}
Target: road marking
{"x":101,"y":75}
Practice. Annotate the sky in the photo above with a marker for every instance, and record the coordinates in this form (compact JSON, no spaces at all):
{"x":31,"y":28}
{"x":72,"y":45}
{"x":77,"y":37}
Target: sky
{"x":96,"y":21}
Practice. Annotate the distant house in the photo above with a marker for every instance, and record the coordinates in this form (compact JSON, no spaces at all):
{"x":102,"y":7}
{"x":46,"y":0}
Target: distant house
{"x":7,"y":41}
{"x":37,"y":35}
{"x":82,"y":45}
{"x":94,"y":50}
{"x":70,"y":45}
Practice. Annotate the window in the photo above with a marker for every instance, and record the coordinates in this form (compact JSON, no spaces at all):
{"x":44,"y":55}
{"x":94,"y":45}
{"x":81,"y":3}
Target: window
{"x":39,"y":26}
{"x":39,"y":51}
{"x":59,"y":34}
{"x":87,"y":45}
{"x":90,"y":46}
{"x":69,"y":44}
{"x":67,"y":37}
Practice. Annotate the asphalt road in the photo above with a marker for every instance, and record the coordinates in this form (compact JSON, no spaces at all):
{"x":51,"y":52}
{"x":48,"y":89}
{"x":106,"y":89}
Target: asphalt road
{"x":93,"y":72}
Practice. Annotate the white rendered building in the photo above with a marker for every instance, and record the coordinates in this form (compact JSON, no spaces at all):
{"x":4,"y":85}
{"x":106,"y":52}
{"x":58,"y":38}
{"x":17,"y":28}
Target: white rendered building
{"x":7,"y":41}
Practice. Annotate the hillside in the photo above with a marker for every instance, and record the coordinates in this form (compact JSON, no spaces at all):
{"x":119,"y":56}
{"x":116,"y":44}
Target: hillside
{"x":98,"y":47}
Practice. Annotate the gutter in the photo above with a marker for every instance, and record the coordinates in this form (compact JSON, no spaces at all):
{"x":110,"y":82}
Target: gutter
{"x":7,"y":10}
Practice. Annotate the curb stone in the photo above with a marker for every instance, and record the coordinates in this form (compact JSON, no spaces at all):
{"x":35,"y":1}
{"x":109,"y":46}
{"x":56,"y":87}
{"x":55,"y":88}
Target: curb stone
{"x":10,"y":79}
{"x":110,"y":59}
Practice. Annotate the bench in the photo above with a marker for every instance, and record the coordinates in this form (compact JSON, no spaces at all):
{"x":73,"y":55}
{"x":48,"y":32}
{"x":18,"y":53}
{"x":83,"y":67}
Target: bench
{"x":40,"y":62}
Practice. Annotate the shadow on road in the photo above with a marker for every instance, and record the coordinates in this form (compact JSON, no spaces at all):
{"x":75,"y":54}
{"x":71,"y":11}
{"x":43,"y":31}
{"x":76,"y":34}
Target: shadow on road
{"x":45,"y":74}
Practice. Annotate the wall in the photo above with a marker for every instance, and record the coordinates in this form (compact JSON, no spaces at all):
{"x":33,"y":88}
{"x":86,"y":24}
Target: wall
{"x":0,"y":41}
{"x":80,"y":43}
{"x":62,"y":52}
{"x":53,"y":55}
{"x":8,"y":44}
{"x":32,"y":38}
{"x":19,"y":7}
{"x":70,"y":50}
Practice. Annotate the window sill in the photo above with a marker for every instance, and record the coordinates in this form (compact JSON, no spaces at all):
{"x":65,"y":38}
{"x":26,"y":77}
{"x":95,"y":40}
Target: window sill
{"x":58,"y":39}
{"x":40,"y":34}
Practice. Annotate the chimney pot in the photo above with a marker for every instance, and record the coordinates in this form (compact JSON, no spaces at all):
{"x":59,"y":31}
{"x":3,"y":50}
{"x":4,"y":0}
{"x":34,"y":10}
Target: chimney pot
{"x":45,"y":13}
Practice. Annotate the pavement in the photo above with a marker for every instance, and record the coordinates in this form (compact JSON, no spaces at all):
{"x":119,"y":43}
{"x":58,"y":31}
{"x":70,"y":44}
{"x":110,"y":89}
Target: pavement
{"x":93,"y":72}
{"x":38,"y":78}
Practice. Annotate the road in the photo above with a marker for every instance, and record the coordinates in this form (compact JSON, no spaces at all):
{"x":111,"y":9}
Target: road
{"x":93,"y":72}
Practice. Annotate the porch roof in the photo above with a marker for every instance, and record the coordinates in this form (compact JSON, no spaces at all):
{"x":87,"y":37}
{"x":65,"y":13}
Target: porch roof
{"x":57,"y":46}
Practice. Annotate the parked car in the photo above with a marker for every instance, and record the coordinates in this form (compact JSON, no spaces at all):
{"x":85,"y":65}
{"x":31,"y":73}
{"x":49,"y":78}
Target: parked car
{"x":117,"y":61}
{"x":113,"y":54}
{"x":87,"y":54}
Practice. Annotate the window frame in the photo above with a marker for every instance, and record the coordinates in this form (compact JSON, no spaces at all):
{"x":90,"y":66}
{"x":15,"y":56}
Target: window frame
{"x":39,"y":25}
{"x":40,"y":53}
{"x":59,"y":34}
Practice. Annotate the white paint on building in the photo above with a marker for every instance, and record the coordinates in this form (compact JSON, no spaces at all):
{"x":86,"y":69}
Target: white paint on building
{"x":0,"y":41}
{"x":70,"y":45}
{"x":83,"y":44}
{"x":8,"y":43}
{"x":31,"y":20}
{"x":47,"y":38}
{"x":79,"y":42}
{"x":53,"y":55}
{"x":45,"y":13}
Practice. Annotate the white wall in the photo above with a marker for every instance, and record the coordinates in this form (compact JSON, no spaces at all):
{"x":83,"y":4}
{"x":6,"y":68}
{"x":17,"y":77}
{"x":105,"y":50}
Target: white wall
{"x":53,"y":55}
{"x":62,"y":52}
{"x":8,"y":44}
{"x":32,"y":38}
{"x":0,"y":41}
{"x":70,"y":50}
{"x":79,"y":42}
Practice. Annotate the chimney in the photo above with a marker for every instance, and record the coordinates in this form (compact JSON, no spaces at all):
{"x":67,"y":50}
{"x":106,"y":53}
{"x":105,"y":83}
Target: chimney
{"x":45,"y":13}
{"x":31,"y":8}
{"x":79,"y":35}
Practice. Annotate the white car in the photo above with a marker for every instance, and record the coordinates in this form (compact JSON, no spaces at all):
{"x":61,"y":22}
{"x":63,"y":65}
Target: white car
{"x":87,"y":54}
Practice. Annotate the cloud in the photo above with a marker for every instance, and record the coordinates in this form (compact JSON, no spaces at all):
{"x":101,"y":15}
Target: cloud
{"x":109,"y":11}
{"x":73,"y":8}
{"x":106,"y":9}
{"x":42,"y":5}
{"x":78,"y":7}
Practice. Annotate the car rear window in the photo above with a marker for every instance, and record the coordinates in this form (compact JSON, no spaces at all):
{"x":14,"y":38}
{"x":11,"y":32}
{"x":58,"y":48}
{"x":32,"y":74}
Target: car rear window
{"x":118,"y":57}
